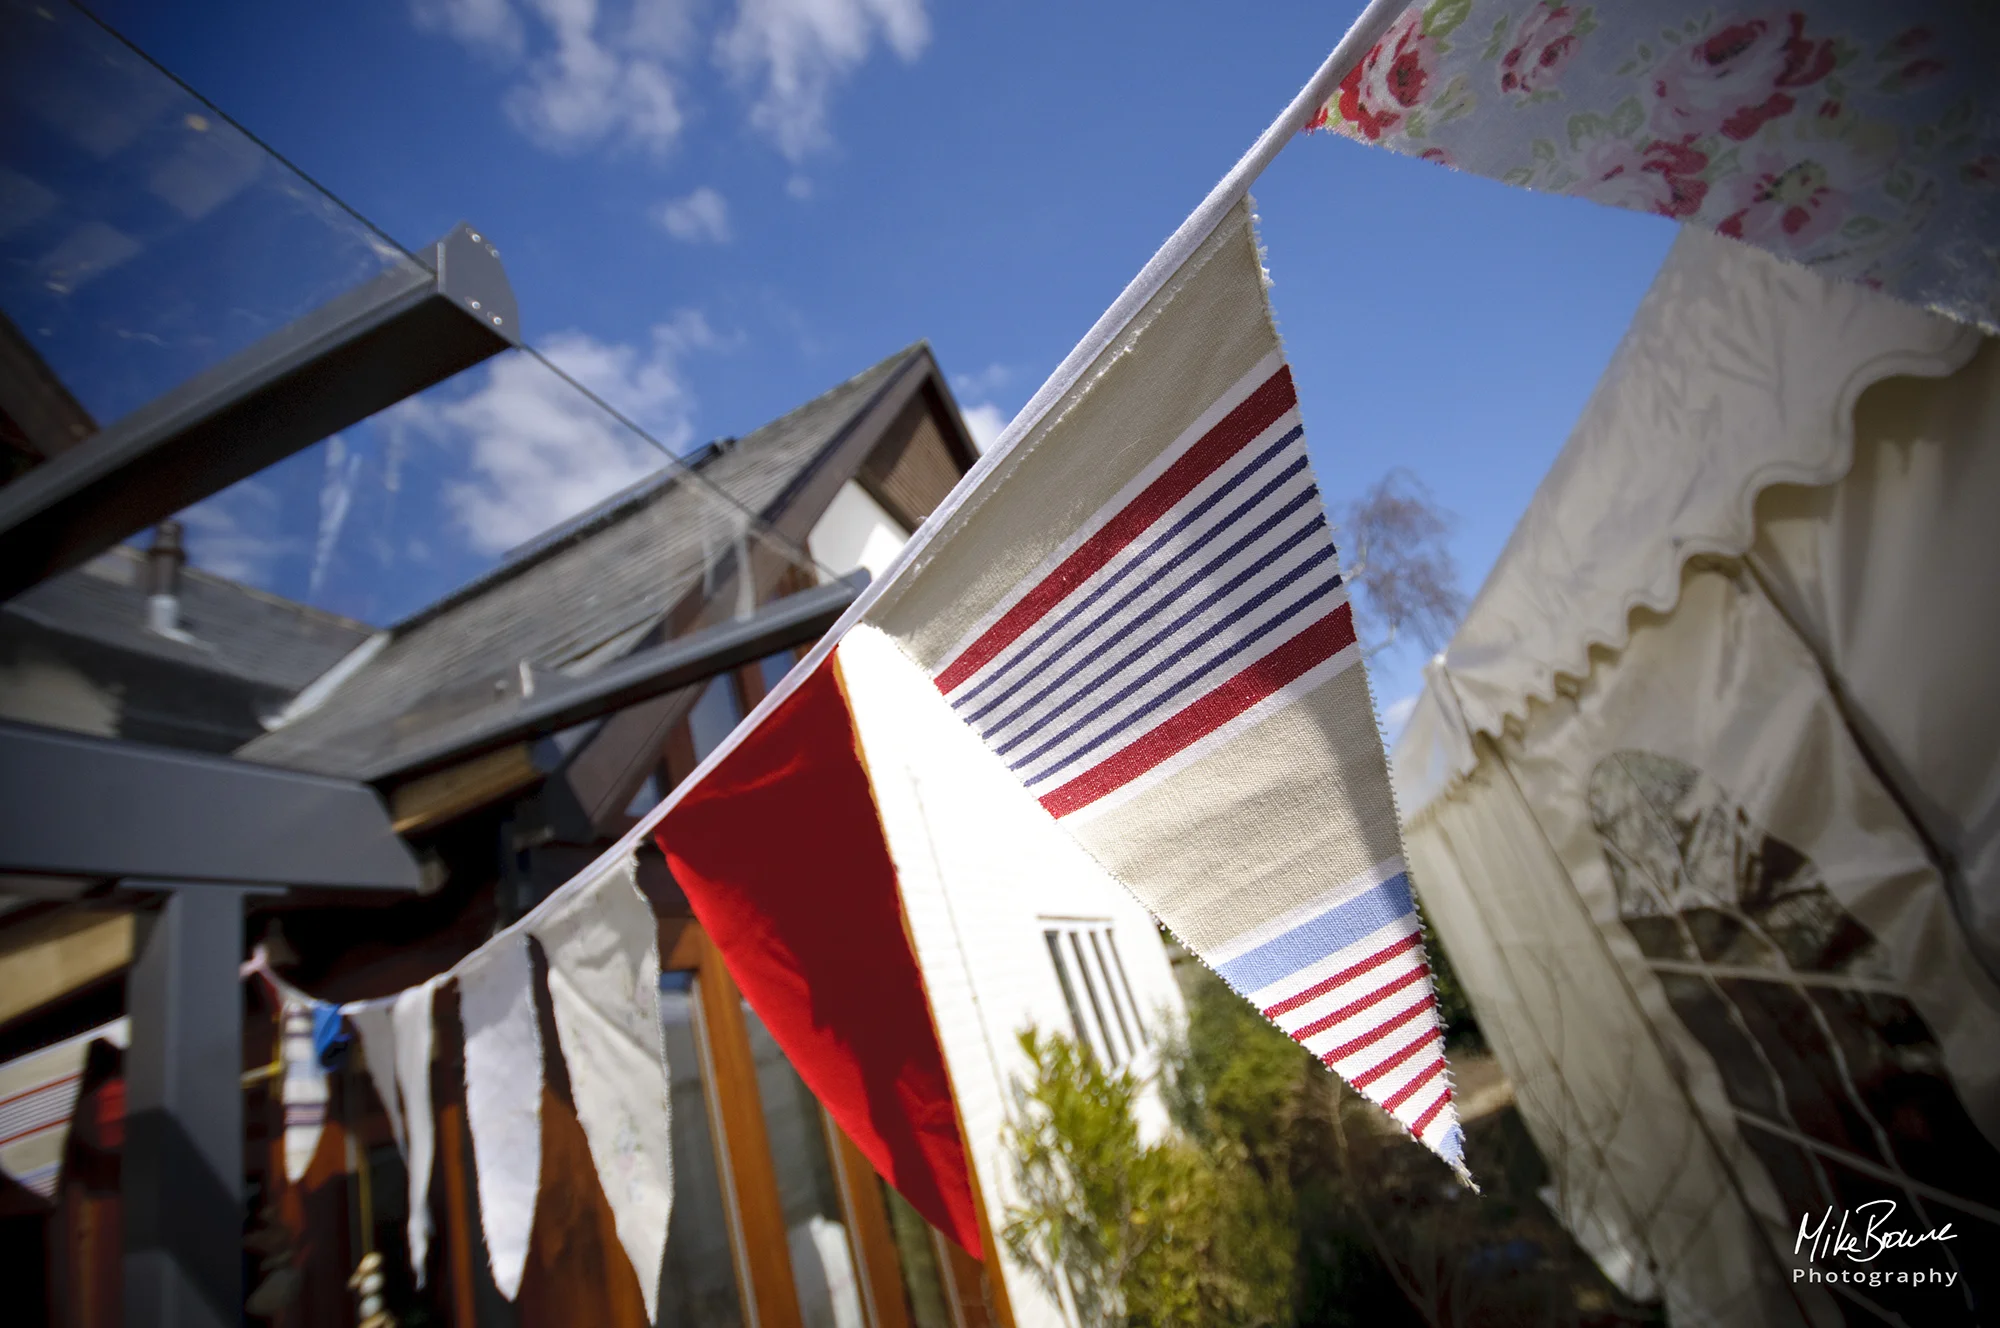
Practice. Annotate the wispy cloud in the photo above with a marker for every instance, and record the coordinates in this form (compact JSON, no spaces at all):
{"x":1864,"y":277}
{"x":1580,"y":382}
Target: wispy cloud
{"x":587,"y":74}
{"x":983,"y":384}
{"x":591,"y":73}
{"x":537,"y":452}
{"x":239,"y":533}
{"x":491,"y":26}
{"x":983,"y":418}
{"x":793,"y":52}
{"x":701,"y":217}
{"x":336,"y":500}
{"x":986,"y":421}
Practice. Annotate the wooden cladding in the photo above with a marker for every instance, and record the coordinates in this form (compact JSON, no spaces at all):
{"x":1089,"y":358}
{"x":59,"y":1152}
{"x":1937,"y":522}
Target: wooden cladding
{"x":914,"y":466}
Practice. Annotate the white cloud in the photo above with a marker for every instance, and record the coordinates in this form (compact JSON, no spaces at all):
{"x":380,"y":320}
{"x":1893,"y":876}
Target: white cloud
{"x":794,"y":51}
{"x":237,"y":533}
{"x":984,"y":383}
{"x":985,"y":422}
{"x":336,"y":500}
{"x":488,"y":24}
{"x":590,"y":73}
{"x":799,"y":187}
{"x":703,"y":216}
{"x":537,"y":452}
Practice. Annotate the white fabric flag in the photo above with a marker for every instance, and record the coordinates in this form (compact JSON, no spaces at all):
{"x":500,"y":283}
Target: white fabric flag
{"x":375,"y":1022}
{"x":604,"y":982}
{"x":304,"y":1092}
{"x":503,"y":1098}
{"x":412,"y":1016}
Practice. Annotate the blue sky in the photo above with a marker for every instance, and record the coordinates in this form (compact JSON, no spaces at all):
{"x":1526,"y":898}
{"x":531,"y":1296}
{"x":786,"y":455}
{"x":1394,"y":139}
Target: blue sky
{"x":714,"y":209}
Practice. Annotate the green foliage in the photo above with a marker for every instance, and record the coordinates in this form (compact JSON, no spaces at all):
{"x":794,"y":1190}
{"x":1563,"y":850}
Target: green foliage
{"x":1228,"y":1220}
{"x":1120,"y":1225}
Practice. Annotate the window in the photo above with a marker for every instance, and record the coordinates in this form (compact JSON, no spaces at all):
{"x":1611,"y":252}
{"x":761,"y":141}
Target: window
{"x":698,"y":1276}
{"x":823,"y":1263}
{"x":1102,"y":1008}
{"x":773,"y":668}
{"x":715,"y":713}
{"x":778,"y":1217}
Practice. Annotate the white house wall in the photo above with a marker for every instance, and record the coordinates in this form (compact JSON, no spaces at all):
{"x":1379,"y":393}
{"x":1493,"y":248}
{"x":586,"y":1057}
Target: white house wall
{"x":855,"y":531}
{"x":984,"y":869}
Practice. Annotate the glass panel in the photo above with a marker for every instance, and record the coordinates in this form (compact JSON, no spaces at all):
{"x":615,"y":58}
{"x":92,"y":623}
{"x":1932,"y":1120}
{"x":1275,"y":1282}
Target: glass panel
{"x":1118,"y":961}
{"x":773,"y":668}
{"x":1090,"y":989}
{"x":1056,"y":957}
{"x":715,"y":713}
{"x":917,"y":1252}
{"x":143,"y":237}
{"x":643,"y":801}
{"x":823,"y":1266}
{"x":1111,"y":992}
{"x":510,"y":533}
{"x":385,"y":592}
{"x":698,"y":1277}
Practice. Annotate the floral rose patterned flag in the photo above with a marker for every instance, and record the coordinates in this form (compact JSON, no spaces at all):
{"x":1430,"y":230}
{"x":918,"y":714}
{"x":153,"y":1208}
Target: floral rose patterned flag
{"x":1861,"y":139}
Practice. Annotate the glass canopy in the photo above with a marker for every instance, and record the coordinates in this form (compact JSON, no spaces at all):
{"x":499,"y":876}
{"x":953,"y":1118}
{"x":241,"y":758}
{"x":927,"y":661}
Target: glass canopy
{"x":500,"y":530}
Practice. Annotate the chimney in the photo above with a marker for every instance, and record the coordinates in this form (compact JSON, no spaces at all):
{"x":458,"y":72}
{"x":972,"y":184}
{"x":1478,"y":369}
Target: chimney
{"x":163,"y":580}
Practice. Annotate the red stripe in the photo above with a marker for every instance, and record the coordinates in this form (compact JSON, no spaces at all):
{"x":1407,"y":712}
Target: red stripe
{"x":1430,"y":1112}
{"x":1409,"y":1090}
{"x":1379,"y":1032}
{"x":1256,"y":413}
{"x":1370,"y":1076}
{"x":42,"y":1087}
{"x":1283,"y":666}
{"x":1352,"y":1008}
{"x":1321,"y":988}
{"x":43,"y":1128}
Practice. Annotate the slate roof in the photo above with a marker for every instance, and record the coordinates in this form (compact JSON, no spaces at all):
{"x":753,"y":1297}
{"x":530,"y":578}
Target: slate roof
{"x":569,"y":601}
{"x":237,"y":631}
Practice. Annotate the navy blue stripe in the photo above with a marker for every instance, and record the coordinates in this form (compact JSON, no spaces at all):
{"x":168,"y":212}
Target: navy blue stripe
{"x":1218,"y":531}
{"x":1140,"y":621}
{"x":1200,"y":509}
{"x":1285,"y":615}
{"x":1331,"y":932}
{"x":1092,"y":688}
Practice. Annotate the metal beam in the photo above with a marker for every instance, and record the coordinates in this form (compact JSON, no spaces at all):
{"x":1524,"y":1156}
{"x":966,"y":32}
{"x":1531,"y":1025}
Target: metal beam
{"x":181,"y":1177}
{"x":74,"y":805}
{"x":795,"y":620}
{"x":360,"y":353}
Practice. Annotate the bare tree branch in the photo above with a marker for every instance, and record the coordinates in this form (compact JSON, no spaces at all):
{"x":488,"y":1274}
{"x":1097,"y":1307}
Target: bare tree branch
{"x":1397,"y":552}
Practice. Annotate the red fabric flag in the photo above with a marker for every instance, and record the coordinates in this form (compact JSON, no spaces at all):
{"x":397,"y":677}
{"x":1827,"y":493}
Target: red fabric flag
{"x":782,"y":855}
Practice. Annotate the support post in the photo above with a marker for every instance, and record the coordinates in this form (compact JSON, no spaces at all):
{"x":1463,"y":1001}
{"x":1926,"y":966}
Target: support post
{"x":182,"y":1171}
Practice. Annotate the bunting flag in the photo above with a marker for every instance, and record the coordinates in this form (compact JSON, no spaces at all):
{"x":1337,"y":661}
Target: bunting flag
{"x":1139,"y":610}
{"x":303,"y":1092}
{"x":503,"y":1099}
{"x":782,"y":857}
{"x":603,"y":948}
{"x":1859,"y":138}
{"x":38,"y":1097}
{"x":603,"y":978}
{"x":410,"y":1052}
